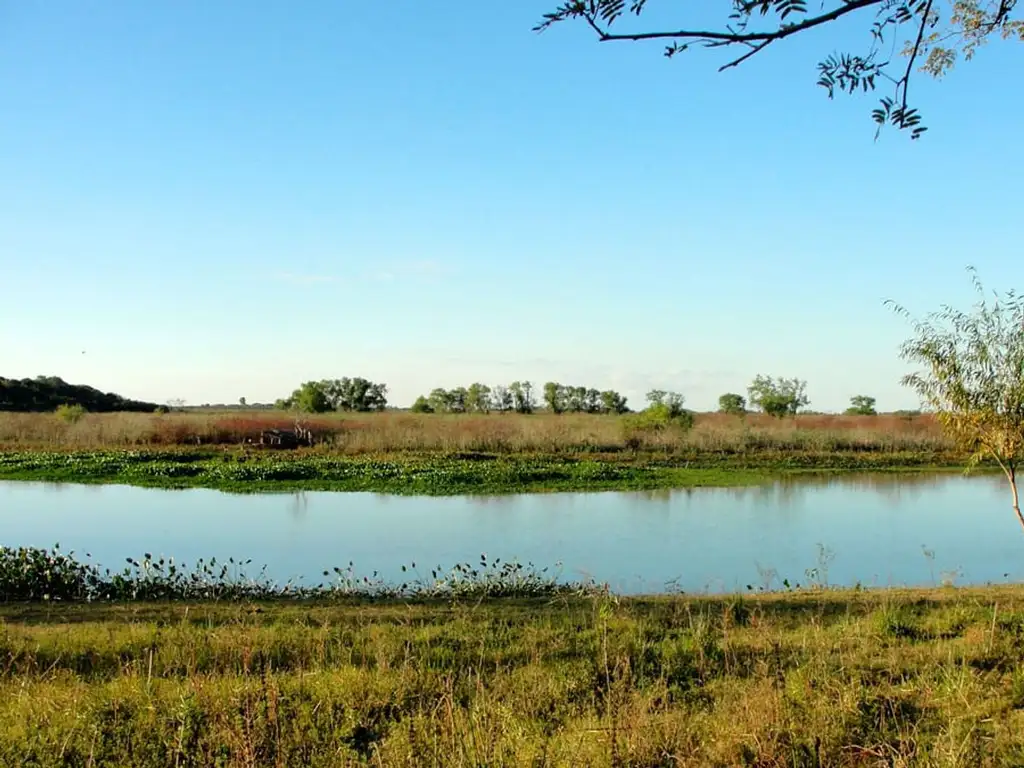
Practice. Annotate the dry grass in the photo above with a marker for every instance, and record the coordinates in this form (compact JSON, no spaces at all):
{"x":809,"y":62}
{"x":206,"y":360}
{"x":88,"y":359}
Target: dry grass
{"x":386,"y":433}
{"x":847,"y":679}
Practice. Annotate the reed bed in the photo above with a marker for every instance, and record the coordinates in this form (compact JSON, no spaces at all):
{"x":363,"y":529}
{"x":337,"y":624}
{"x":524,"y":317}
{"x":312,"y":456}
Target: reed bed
{"x":394,"y":433}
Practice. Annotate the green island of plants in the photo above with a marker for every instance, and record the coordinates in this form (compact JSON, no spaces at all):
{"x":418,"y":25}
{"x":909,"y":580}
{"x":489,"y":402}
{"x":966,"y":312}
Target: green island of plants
{"x":438,"y":474}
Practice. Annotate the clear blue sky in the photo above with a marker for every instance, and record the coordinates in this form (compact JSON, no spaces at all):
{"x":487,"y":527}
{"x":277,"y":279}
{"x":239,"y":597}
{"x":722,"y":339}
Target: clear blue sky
{"x":215,"y":200}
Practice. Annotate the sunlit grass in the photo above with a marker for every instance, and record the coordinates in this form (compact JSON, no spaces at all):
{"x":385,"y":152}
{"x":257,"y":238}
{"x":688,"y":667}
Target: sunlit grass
{"x":386,"y":433}
{"x":895,"y":678}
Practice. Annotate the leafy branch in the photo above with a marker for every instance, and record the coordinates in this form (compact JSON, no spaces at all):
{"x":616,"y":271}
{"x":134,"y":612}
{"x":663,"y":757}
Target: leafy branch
{"x":778,"y":20}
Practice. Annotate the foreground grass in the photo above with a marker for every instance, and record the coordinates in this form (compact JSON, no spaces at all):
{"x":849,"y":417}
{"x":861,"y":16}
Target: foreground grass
{"x":251,"y":470}
{"x":931,"y":678}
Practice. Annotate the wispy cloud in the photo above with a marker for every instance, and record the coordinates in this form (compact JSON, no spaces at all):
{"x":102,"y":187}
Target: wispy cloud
{"x":290,"y":277}
{"x":422,"y":269}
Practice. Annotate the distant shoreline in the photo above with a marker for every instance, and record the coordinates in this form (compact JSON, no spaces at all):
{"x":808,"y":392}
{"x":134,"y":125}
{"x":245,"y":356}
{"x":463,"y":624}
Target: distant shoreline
{"x":442,"y":474}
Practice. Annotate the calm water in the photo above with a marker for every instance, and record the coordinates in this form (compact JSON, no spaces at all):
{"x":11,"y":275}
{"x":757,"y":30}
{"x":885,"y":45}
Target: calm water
{"x":700,"y":539}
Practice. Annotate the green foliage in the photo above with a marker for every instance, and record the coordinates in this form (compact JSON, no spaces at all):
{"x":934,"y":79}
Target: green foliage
{"x":664,"y":410}
{"x":501,"y":399}
{"x":478,"y":398}
{"x":613,"y":402}
{"x":861,"y":405}
{"x":355,"y":394}
{"x":523,"y":400}
{"x":554,"y":396}
{"x":972,"y":376}
{"x":438,"y":475}
{"x":440,"y":400}
{"x":936,"y":34}
{"x":72,"y":414}
{"x":30,"y":574}
{"x":345,"y":394}
{"x":47,"y":393}
{"x":668,"y":403}
{"x":311,"y":397}
{"x":422,"y":405}
{"x":732,"y":403}
{"x":778,"y":397}
{"x":560,"y":398}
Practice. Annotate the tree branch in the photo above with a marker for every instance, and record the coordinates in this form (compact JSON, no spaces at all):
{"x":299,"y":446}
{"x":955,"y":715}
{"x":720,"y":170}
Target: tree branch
{"x":905,"y":80}
{"x":737,"y":37}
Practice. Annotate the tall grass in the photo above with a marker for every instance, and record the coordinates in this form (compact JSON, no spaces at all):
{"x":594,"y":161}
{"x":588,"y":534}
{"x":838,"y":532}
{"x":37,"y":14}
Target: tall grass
{"x":390,"y":433}
{"x":825,"y":679}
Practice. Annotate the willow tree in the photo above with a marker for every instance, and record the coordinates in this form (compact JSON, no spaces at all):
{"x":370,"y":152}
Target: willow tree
{"x":899,"y":37}
{"x":972,"y":377}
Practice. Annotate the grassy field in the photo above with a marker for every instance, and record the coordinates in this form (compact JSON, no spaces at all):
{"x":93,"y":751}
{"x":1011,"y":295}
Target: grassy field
{"x":886,"y":678}
{"x":391,"y":433}
{"x":439,"y":455}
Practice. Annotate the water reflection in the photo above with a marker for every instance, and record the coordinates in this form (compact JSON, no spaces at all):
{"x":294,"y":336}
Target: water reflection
{"x":883,"y":528}
{"x":298,"y":505}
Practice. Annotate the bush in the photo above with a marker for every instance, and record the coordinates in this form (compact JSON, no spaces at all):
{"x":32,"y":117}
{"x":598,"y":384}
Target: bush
{"x":658,"y":417}
{"x":70,"y":414}
{"x":732,"y":403}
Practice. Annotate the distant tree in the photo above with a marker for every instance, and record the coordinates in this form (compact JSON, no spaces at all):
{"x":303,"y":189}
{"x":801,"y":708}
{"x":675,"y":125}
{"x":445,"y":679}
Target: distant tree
{"x":933,"y":33}
{"x":779,"y":396}
{"x":575,"y":399}
{"x":242,"y":402}
{"x":440,"y":400}
{"x":421,"y":406}
{"x":554,"y":396}
{"x":47,"y":393}
{"x":457,"y":399}
{"x":522,"y":396}
{"x":311,"y":397}
{"x":972,"y":377}
{"x":861,"y":405}
{"x":664,"y":409}
{"x":176,"y":403}
{"x":612,"y":402}
{"x":356,"y":394}
{"x":671,"y":402}
{"x":502,"y":399}
{"x":478,"y":398}
{"x":71,"y":414}
{"x":283,"y":403}
{"x":732,"y":403}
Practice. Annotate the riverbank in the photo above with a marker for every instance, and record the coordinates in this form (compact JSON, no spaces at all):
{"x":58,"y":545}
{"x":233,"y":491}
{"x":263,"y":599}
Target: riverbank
{"x":246,"y":470}
{"x":809,"y":679}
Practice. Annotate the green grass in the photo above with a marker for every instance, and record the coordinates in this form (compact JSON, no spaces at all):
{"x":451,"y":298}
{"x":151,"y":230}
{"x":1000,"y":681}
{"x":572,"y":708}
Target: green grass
{"x":893,"y":678}
{"x":439,"y":474}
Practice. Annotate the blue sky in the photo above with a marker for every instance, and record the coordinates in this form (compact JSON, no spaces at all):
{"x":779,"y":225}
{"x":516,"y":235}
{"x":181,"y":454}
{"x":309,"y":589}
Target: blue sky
{"x":216,"y":200}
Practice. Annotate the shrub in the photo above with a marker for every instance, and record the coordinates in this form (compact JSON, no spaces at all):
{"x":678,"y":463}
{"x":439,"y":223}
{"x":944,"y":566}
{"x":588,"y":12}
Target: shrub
{"x":732,"y":403}
{"x":70,"y":414}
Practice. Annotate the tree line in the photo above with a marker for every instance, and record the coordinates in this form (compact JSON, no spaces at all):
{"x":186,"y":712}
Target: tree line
{"x":775,"y":396}
{"x":520,"y":397}
{"x":47,"y":393}
{"x":344,"y":394}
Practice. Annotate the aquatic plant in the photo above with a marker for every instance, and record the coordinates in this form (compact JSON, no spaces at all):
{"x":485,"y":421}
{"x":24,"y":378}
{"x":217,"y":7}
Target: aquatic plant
{"x":33,"y":574}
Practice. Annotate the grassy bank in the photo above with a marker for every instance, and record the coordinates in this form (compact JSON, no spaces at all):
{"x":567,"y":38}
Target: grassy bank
{"x":814,"y":679}
{"x":440,"y":474}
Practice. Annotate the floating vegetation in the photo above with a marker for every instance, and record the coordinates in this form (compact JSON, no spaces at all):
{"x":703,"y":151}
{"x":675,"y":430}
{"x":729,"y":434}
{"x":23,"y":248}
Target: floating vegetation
{"x":30,"y":574}
{"x":436,"y":475}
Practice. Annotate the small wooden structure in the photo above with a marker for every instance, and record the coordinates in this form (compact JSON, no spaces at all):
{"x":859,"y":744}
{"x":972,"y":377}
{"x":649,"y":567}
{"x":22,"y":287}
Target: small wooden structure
{"x":286,"y":438}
